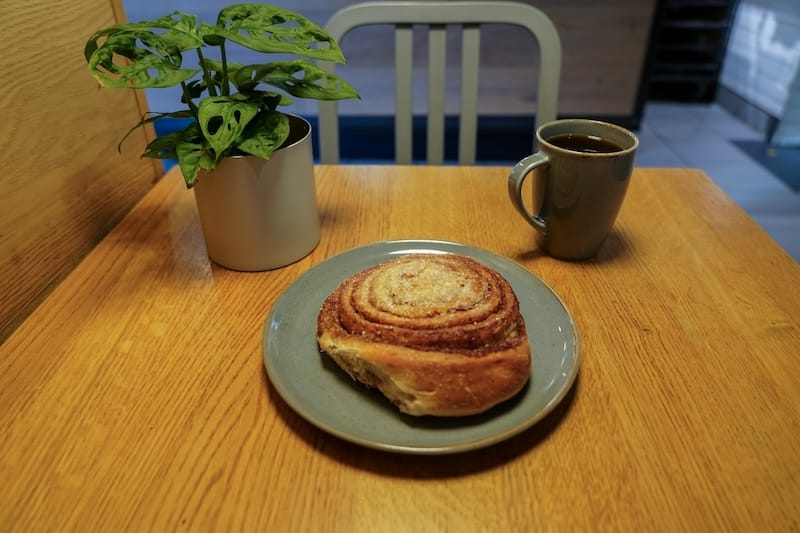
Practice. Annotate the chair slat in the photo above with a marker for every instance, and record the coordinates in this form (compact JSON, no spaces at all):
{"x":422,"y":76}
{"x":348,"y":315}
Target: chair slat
{"x":468,"y":121}
{"x":329,"y":131}
{"x":403,"y":121}
{"x":437,"y":66}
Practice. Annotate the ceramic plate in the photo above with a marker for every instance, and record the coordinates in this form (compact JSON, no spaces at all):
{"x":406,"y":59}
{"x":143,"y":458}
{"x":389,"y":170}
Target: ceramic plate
{"x":324,"y":395}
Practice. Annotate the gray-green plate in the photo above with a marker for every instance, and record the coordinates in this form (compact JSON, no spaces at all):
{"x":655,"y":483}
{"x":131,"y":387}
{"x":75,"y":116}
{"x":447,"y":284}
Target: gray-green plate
{"x":325,"y":396}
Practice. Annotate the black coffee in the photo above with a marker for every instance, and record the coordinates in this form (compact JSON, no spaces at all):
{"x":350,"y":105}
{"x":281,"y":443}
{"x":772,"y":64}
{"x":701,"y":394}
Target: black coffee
{"x":590,"y":144}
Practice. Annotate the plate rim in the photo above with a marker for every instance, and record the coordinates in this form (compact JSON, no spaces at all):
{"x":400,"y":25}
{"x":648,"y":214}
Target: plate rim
{"x":435,"y":246}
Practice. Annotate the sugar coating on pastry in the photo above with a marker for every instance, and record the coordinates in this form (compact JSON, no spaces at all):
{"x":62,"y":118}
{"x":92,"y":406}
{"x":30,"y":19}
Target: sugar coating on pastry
{"x":437,"y":334}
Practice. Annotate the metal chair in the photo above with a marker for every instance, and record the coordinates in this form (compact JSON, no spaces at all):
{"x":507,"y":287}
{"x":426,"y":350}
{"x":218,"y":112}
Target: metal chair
{"x":436,"y":15}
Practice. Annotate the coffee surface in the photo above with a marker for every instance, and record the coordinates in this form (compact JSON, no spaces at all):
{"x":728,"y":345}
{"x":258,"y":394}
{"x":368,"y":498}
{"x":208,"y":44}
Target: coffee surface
{"x":589,"y":144}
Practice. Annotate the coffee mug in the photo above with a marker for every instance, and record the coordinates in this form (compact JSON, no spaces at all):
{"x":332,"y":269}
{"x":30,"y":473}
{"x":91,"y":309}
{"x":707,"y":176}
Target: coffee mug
{"x":585,"y":167}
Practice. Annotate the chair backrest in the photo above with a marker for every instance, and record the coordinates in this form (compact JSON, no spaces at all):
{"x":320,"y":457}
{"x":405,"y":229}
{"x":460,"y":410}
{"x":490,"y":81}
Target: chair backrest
{"x":436,"y":15}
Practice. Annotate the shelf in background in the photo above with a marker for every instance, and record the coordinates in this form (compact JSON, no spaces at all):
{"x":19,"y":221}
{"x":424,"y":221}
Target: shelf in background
{"x":687,"y":48}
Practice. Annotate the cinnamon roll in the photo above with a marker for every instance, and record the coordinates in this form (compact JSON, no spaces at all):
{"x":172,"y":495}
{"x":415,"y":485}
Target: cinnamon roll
{"x":436,"y":334}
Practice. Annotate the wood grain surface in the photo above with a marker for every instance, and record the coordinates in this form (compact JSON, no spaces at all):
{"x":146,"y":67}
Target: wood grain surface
{"x":135,"y":397}
{"x":63,"y":185}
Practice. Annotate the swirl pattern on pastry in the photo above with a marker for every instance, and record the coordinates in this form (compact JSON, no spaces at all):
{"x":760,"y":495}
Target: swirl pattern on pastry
{"x":436,"y":334}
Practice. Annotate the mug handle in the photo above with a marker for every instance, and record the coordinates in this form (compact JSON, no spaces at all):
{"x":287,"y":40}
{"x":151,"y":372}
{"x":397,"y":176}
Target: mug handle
{"x":515,"y":180}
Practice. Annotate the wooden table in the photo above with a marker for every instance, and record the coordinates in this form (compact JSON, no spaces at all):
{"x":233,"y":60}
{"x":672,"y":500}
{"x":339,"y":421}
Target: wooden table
{"x":135,"y":397}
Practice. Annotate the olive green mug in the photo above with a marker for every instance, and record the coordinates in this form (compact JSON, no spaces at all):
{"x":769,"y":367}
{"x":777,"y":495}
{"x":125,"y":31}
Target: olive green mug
{"x":584,"y":167}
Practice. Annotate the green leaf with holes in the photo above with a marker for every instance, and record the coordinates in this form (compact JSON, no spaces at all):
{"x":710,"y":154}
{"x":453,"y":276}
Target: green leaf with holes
{"x":265,"y":134}
{"x":297,"y":77}
{"x":271,"y":29}
{"x":223,"y":119}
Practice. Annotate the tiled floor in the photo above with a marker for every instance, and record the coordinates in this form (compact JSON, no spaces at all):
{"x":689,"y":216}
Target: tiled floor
{"x":679,"y":135}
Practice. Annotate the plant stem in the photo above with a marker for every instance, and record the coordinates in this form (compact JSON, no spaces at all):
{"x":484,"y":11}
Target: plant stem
{"x":187,"y":97}
{"x":224,"y":57}
{"x":212,"y":91}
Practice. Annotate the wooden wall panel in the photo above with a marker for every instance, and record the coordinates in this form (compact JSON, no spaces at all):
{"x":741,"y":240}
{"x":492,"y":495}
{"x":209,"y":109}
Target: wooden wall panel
{"x":604,"y":46}
{"x":63,"y":185}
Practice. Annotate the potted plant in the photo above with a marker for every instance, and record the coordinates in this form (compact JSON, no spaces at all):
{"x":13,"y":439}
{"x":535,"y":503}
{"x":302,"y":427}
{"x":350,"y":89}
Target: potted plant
{"x":234,"y":122}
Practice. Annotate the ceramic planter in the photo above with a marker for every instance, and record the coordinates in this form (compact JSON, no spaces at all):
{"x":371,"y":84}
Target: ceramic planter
{"x":259,"y":214}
